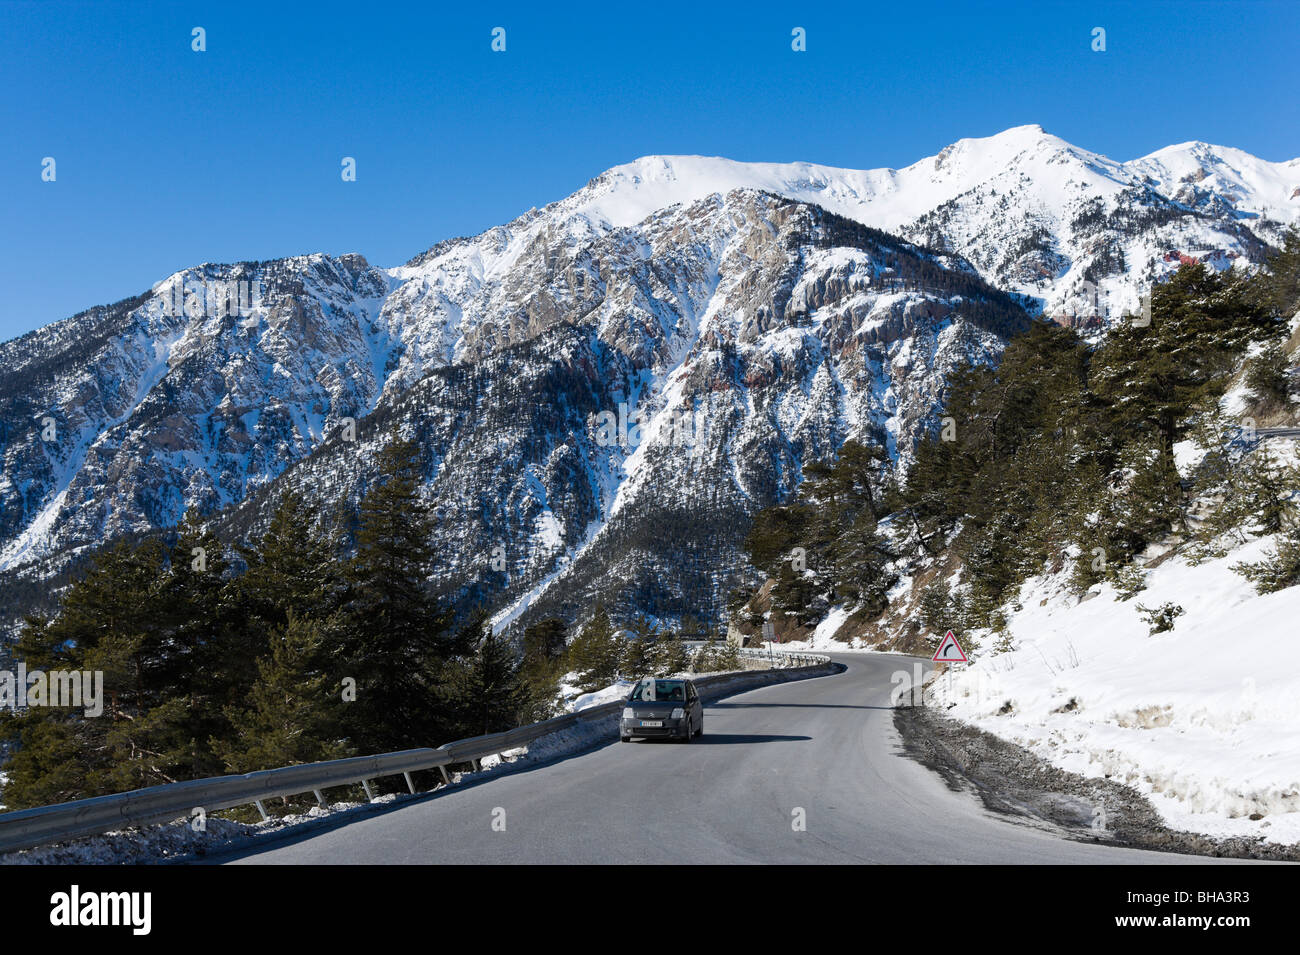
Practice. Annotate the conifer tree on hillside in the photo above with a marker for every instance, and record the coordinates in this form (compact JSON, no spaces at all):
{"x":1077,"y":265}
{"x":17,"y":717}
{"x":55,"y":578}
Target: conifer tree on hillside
{"x":1280,"y":566}
{"x":212,"y":651}
{"x":58,"y":754}
{"x":638,"y":648}
{"x":292,"y":568}
{"x":390,"y":636}
{"x":667,"y":656}
{"x":1153,"y":376}
{"x":1267,"y":379}
{"x":292,"y":709}
{"x":119,"y":618}
{"x":946,"y":463}
{"x":1278,"y":287}
{"x":825,"y":545}
{"x":485,"y":689}
{"x":1000,"y":465}
{"x":596,"y":653}
{"x":544,"y":646}
{"x":545,"y":640}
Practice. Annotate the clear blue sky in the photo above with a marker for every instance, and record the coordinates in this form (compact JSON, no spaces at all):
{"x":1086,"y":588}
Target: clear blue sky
{"x":168,"y":158}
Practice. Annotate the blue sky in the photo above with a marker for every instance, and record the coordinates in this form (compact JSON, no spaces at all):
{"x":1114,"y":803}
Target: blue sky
{"x":167,"y":157}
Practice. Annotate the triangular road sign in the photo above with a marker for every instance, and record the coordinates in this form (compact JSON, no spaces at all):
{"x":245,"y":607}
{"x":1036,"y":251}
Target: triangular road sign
{"x":949,"y":651}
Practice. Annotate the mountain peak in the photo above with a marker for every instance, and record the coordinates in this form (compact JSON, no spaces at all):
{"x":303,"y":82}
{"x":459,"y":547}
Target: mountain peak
{"x":887,"y":198}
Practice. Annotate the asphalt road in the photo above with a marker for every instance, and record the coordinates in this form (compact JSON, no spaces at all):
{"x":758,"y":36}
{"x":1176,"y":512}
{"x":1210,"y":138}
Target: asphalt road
{"x":826,"y":746}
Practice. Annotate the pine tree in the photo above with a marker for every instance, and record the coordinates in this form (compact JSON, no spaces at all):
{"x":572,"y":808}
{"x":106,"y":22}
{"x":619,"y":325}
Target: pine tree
{"x":667,"y":656}
{"x":1153,"y":376}
{"x":639,"y":648}
{"x":1279,"y":286}
{"x":486,"y":690}
{"x":211,"y":658}
{"x":596,"y":653}
{"x":290,"y":569}
{"x":1279,"y":569}
{"x":544,"y":641}
{"x":390,"y":635}
{"x":1268,"y":380}
{"x":544,"y":645}
{"x":716,"y":659}
{"x":1264,"y":490}
{"x":935,"y":608}
{"x":108,"y":622}
{"x":293,"y":707}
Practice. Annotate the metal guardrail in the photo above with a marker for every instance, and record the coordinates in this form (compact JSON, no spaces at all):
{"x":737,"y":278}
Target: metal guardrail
{"x":1277,"y":432}
{"x":26,"y":828}
{"x":787,"y":658}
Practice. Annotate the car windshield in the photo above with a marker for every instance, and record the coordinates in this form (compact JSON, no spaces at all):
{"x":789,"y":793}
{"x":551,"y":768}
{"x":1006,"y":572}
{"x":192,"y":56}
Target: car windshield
{"x":655,"y":691}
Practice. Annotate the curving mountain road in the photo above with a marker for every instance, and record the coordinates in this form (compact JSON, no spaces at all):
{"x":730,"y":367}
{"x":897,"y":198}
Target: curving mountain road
{"x":827,"y":746}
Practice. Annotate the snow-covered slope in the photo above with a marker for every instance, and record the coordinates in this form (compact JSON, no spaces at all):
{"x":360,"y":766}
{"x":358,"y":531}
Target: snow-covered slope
{"x":1203,"y":719}
{"x":664,"y":283}
{"x":121,"y":418}
{"x":1032,"y":212}
{"x":724,"y":344}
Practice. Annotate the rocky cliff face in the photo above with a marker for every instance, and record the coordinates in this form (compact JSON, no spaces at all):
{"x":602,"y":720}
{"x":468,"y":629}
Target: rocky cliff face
{"x":1072,"y":231}
{"x":606,"y":387}
{"x":119,"y":419}
{"x":679,"y":375}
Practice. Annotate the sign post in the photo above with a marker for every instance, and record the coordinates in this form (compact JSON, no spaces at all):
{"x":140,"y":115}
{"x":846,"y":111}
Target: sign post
{"x":949,"y":652}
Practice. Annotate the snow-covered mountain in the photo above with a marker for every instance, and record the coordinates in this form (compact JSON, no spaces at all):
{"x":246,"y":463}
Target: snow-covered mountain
{"x":677,"y":375}
{"x":751,"y":296}
{"x":1033,"y":213}
{"x":607,"y":404}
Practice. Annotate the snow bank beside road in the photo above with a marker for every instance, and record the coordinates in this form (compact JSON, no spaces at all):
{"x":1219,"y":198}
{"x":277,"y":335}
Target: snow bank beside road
{"x":1204,"y":719}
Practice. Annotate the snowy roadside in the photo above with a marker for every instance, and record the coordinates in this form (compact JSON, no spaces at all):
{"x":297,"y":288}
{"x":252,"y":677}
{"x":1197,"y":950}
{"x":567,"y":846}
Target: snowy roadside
{"x":178,"y":842}
{"x":823,"y":639}
{"x":1203,"y":719}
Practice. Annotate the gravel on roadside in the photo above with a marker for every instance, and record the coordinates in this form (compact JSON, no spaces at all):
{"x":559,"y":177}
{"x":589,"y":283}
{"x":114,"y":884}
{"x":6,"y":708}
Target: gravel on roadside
{"x":1014,"y":782}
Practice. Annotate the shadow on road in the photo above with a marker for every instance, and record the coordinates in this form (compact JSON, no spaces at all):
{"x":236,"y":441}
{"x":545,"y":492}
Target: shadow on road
{"x":729,"y":739}
{"x":795,"y":706}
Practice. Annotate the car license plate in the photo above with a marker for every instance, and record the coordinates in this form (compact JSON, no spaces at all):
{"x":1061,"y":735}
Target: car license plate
{"x":652,"y":722}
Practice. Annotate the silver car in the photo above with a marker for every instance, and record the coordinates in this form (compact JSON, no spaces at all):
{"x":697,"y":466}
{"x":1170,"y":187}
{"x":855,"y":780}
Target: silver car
{"x":667,"y":709}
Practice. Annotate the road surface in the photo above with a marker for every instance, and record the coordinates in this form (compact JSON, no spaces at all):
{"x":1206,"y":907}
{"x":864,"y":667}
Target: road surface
{"x":824,"y":750}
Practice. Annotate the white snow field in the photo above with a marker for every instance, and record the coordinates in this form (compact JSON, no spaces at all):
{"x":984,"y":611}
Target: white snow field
{"x":1203,"y":719}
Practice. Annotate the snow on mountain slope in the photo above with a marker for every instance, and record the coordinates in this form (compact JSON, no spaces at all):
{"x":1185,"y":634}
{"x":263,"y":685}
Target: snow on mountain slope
{"x":885,"y":198}
{"x":724,"y":344}
{"x":142,"y":411}
{"x":1204,"y":719}
{"x":1077,"y":233}
{"x":1191,"y":172}
{"x":786,"y":332}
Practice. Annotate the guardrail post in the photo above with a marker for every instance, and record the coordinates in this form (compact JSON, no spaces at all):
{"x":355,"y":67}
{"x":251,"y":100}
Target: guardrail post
{"x":22,"y":829}
{"x":409,"y":784}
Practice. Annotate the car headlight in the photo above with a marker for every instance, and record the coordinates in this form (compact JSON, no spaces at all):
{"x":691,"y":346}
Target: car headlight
{"x":628,"y":714}
{"x":679,"y":714}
